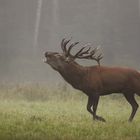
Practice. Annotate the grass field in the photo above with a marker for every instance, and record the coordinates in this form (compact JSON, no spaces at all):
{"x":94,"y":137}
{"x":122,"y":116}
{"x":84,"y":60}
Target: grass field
{"x":40,"y":113}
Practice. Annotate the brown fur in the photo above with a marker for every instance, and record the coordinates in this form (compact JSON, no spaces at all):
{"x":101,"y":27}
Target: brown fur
{"x":96,"y":81}
{"x":102,"y":80}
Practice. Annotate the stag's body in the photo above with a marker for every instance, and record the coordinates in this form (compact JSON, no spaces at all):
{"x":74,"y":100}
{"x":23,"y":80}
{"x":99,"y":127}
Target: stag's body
{"x":102,"y":80}
{"x":96,"y":81}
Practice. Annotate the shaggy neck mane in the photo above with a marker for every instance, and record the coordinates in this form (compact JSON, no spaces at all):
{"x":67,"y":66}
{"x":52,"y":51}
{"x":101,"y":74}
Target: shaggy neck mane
{"x":74,"y":74}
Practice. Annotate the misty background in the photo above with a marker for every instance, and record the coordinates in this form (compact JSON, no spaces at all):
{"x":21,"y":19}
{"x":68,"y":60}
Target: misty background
{"x":113,"y":24}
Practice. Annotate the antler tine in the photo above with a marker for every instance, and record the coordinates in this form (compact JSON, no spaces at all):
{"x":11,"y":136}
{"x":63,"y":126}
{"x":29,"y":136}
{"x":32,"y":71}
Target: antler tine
{"x":80,"y":52}
{"x":71,"y":46}
{"x":77,"y":54}
{"x":97,"y":58}
{"x":65,"y":44}
{"x":100,"y":56}
{"x":90,"y":55}
{"x":94,"y":51}
{"x":62,"y":44}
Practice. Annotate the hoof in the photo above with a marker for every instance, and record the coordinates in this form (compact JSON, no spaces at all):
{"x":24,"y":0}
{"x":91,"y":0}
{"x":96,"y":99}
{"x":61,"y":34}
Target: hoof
{"x":98,"y":118}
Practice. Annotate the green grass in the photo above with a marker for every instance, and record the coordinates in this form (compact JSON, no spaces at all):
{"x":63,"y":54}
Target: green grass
{"x":39,"y":113}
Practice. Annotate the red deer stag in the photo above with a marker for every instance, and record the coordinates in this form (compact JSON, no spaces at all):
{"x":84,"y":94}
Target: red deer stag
{"x":95,"y":81}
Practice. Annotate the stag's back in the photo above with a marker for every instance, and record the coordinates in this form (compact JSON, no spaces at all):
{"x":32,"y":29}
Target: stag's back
{"x":113,"y":79}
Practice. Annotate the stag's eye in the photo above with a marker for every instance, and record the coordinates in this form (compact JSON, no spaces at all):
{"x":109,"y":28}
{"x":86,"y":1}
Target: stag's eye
{"x":57,"y":55}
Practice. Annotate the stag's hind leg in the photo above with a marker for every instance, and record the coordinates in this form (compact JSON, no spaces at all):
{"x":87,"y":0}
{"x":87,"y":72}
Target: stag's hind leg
{"x":92,"y":107}
{"x":89,"y":105}
{"x":131,"y":99}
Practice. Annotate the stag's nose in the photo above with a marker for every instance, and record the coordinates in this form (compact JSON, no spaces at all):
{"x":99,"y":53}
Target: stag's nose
{"x":46,"y":54}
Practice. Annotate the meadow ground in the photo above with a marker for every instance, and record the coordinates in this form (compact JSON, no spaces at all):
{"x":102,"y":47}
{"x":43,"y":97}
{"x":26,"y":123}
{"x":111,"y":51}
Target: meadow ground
{"x":40,"y":113}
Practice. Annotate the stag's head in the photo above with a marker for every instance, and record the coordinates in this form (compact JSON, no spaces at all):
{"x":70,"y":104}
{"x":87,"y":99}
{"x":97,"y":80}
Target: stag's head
{"x":59,"y":60}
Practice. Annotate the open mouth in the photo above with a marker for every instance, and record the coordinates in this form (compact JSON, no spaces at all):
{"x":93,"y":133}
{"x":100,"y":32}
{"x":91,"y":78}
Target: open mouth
{"x":45,"y":60}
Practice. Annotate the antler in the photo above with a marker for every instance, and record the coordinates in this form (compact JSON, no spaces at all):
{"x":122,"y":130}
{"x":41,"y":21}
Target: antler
{"x":83,"y":53}
{"x":64,"y":42}
{"x":89,"y":54}
{"x":64,"y":47}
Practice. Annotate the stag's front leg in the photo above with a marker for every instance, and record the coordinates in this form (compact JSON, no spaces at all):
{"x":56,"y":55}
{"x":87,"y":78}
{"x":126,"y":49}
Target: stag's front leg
{"x":93,"y":103}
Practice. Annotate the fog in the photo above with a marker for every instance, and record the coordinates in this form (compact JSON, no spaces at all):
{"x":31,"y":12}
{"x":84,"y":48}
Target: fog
{"x":27,"y":29}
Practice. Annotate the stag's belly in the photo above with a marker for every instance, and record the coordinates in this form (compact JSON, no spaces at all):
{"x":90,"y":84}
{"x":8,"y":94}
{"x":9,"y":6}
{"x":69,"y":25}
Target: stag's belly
{"x":117,"y":87}
{"x":110,"y":92}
